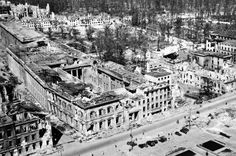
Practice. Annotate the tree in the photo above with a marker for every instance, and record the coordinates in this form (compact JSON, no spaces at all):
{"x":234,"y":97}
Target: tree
{"x":63,"y":35}
{"x":10,"y":86}
{"x":74,"y":34}
{"x":178,"y":25}
{"x":71,"y":33}
{"x":109,"y":46}
{"x":103,"y":6}
{"x":135,"y":18}
{"x":35,"y":27}
{"x":40,"y":28}
{"x":49,"y":33}
{"x":89,"y":33}
{"x":207,"y":86}
{"x":2,"y":93}
{"x":206,"y":30}
{"x":163,"y":28}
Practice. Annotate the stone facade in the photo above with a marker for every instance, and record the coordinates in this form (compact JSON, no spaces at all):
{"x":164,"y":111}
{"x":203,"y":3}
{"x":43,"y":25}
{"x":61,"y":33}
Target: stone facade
{"x":22,"y":133}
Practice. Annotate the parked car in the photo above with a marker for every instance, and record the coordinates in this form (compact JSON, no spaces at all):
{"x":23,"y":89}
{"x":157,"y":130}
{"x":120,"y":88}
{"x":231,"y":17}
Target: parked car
{"x":142,"y":145}
{"x":155,"y":141}
{"x":151,"y":143}
{"x":178,"y":133}
{"x":162,"y":139}
{"x":184,"y":130}
{"x":131,"y":143}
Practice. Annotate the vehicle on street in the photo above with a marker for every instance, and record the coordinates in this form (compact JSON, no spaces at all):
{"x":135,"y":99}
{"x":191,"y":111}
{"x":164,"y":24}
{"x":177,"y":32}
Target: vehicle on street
{"x":142,"y":145}
{"x":151,"y":143}
{"x":162,"y":139}
{"x":131,"y":143}
{"x":184,"y":130}
{"x":178,"y":133}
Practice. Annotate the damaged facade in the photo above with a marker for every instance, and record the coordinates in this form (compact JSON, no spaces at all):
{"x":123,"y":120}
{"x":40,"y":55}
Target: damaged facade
{"x":22,"y":133}
{"x":221,"y":81}
{"x":89,"y":96}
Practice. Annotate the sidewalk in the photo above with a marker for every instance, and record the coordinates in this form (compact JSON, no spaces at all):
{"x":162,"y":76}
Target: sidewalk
{"x":72,"y":149}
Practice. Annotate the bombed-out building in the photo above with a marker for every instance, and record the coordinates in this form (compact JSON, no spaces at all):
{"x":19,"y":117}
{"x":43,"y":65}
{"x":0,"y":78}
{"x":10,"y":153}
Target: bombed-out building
{"x":89,"y":96}
{"x":13,"y":33}
{"x":22,"y":132}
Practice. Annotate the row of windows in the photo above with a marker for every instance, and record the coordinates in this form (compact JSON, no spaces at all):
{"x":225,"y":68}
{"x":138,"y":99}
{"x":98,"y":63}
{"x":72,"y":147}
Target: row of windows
{"x":228,"y":48}
{"x":153,"y":106}
{"x":64,"y":105}
{"x":104,"y":111}
{"x":63,"y":116}
{"x":152,"y":99}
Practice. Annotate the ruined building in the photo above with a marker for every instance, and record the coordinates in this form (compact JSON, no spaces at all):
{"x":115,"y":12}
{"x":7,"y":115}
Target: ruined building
{"x":22,"y":133}
{"x":88,"y":96}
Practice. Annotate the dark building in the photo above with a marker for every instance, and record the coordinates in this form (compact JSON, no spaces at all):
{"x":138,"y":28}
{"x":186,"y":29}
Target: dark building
{"x":5,"y":9}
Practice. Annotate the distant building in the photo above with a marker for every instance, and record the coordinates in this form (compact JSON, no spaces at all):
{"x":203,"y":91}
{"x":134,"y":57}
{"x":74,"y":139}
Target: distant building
{"x":5,"y":7}
{"x":223,"y":42}
{"x":25,"y":10}
{"x":13,"y":33}
{"x":220,"y":82}
{"x":212,"y":60}
{"x":228,"y":48}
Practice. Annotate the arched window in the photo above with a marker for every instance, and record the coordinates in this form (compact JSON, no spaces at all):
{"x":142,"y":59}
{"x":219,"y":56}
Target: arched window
{"x":93,"y":114}
{"x":80,"y":114}
{"x":110,"y":109}
{"x":102,"y":111}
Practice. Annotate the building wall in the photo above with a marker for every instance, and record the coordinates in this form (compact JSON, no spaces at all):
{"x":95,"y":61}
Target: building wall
{"x":106,"y":82}
{"x":105,"y":117}
{"x":23,"y":135}
{"x":30,"y":81}
{"x":210,"y":62}
{"x":227,"y":49}
{"x":7,"y":38}
{"x":190,"y":78}
{"x":195,"y":80}
{"x":159,"y":95}
{"x":230,"y":86}
{"x":101,"y":81}
{"x":119,"y":113}
{"x":211,"y":46}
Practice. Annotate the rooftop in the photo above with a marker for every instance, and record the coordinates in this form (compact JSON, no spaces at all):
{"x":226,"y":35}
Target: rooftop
{"x":23,"y":34}
{"x":40,"y":58}
{"x":50,"y":53}
{"x":103,"y":99}
{"x":159,"y":72}
{"x":230,"y":42}
{"x":72,"y":88}
{"x":4,"y":119}
{"x":123,"y":74}
{"x":227,"y":33}
{"x":24,"y":106}
{"x":212,"y":54}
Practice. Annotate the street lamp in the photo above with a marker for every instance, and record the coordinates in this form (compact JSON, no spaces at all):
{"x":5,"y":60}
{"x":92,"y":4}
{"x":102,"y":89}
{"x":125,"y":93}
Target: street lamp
{"x":189,"y":116}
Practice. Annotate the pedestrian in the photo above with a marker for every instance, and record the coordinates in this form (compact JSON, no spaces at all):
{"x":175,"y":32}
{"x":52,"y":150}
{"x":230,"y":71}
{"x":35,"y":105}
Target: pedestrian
{"x":92,"y":154}
{"x":115,"y":146}
{"x":226,"y":103}
{"x":143,"y":133}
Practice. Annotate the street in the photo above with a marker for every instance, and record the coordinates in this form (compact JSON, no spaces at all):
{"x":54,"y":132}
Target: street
{"x":77,"y":148}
